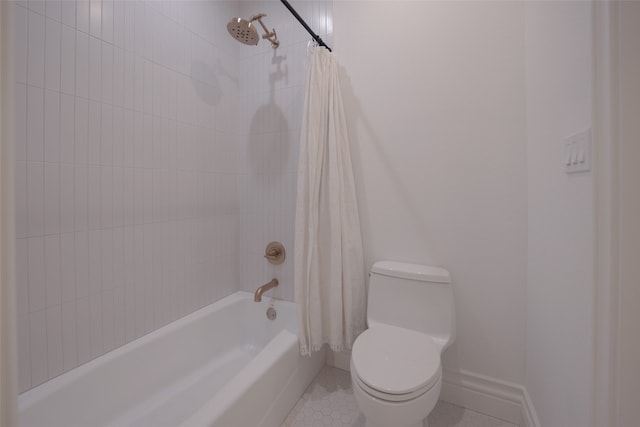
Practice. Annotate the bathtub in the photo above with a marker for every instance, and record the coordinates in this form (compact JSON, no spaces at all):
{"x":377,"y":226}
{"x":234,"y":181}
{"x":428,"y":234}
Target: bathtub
{"x":225,"y":365}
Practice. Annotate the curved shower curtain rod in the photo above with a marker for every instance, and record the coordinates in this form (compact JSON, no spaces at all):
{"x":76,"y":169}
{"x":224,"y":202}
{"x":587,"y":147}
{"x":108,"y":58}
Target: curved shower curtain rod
{"x":304,"y":24}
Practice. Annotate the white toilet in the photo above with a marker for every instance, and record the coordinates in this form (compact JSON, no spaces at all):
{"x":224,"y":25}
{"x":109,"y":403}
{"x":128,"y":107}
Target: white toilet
{"x":395,"y":364}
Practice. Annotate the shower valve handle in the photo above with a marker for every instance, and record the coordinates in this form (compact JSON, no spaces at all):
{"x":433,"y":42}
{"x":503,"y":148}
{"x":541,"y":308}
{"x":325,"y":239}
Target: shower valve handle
{"x":275,"y":253}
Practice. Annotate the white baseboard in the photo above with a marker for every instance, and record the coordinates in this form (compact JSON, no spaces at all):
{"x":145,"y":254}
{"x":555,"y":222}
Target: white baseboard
{"x":529,"y":417}
{"x":490,"y":396}
{"x":500,"y":399}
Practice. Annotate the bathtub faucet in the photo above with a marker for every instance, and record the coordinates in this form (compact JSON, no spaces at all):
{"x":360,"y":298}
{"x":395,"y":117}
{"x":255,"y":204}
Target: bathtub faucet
{"x":264,"y":288}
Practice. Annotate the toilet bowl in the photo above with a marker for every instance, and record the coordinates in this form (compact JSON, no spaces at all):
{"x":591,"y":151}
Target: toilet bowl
{"x":396,"y":376}
{"x":396,"y":370}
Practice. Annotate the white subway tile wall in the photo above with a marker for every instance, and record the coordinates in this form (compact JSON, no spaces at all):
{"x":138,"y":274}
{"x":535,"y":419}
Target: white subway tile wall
{"x":271,"y":87}
{"x":155,"y":159}
{"x":127,"y":167}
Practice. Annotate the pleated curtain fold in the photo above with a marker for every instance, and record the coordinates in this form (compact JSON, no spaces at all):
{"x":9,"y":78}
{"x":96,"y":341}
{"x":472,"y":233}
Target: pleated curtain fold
{"x":328,"y":260}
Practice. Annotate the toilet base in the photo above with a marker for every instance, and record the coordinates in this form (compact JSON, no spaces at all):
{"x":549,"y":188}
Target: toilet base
{"x":381,"y":413}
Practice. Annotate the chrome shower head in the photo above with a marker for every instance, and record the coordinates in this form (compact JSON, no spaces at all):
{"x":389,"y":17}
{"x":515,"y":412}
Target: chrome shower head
{"x":245,"y":32}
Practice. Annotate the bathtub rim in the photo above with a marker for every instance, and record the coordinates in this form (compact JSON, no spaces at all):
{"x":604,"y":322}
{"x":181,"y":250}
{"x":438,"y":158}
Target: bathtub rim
{"x":219,"y":404}
{"x":42,"y":391}
{"x":285,"y":345}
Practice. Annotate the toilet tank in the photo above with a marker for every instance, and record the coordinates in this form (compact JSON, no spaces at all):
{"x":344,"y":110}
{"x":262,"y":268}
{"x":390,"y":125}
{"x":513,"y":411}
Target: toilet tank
{"x":412,"y":296}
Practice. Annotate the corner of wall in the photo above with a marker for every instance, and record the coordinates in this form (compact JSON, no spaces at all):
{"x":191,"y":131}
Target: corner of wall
{"x":340,"y":360}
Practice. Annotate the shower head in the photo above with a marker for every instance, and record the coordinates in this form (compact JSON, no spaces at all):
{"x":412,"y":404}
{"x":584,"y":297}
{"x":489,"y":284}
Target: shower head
{"x":245,"y":32}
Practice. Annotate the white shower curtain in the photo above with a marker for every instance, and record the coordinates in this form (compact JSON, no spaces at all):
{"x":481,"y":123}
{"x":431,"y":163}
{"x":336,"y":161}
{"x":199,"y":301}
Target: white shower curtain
{"x":328,"y":260}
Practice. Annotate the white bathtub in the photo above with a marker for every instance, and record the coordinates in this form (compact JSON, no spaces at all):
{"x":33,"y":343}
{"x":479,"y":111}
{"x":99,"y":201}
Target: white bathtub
{"x":225,"y":365}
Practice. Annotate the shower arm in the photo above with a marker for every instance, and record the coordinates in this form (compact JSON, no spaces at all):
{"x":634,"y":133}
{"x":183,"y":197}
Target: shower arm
{"x":268,"y":35}
{"x":304,"y":24}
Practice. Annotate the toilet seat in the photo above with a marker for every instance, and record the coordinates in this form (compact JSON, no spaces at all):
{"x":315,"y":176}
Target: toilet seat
{"x":395,"y":364}
{"x":393,"y":398}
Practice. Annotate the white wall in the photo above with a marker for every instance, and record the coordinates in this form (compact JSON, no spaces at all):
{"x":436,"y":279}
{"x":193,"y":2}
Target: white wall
{"x":434,"y":100}
{"x":560,"y":286}
{"x":127,"y":130}
{"x":628,"y":375}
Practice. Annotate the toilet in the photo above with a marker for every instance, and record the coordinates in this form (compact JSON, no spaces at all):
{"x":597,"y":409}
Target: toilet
{"x":396,"y":372}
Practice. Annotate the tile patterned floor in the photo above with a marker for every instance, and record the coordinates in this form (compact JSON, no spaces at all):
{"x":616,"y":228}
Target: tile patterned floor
{"x":329,"y":401}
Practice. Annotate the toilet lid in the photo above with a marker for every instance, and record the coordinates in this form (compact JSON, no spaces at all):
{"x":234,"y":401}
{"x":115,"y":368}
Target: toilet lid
{"x":396,"y":361}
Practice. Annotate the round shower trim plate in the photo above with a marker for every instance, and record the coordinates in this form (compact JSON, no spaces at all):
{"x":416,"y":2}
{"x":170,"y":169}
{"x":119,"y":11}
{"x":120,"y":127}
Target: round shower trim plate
{"x":275,"y":253}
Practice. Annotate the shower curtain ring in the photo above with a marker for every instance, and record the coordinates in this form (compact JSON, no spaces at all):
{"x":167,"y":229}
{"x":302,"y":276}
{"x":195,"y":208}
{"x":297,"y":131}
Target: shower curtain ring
{"x":311,"y":43}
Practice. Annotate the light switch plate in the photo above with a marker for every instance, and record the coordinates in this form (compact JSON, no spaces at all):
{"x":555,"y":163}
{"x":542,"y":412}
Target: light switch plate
{"x":577,"y":152}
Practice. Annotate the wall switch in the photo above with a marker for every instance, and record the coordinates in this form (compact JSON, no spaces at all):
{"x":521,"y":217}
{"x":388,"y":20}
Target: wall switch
{"x":577,"y":152}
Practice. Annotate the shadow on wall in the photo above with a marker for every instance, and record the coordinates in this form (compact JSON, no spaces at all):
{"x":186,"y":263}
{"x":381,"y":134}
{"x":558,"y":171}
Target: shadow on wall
{"x":268,"y":151}
{"x":400,"y":188}
{"x":206,"y":83}
{"x":268,"y":147}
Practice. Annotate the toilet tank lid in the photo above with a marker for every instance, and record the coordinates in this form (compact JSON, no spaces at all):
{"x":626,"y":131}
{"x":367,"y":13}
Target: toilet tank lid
{"x":404,"y":270}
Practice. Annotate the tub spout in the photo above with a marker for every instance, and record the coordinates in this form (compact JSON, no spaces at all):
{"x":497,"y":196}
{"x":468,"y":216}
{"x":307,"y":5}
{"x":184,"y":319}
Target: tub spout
{"x":264,"y":288}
